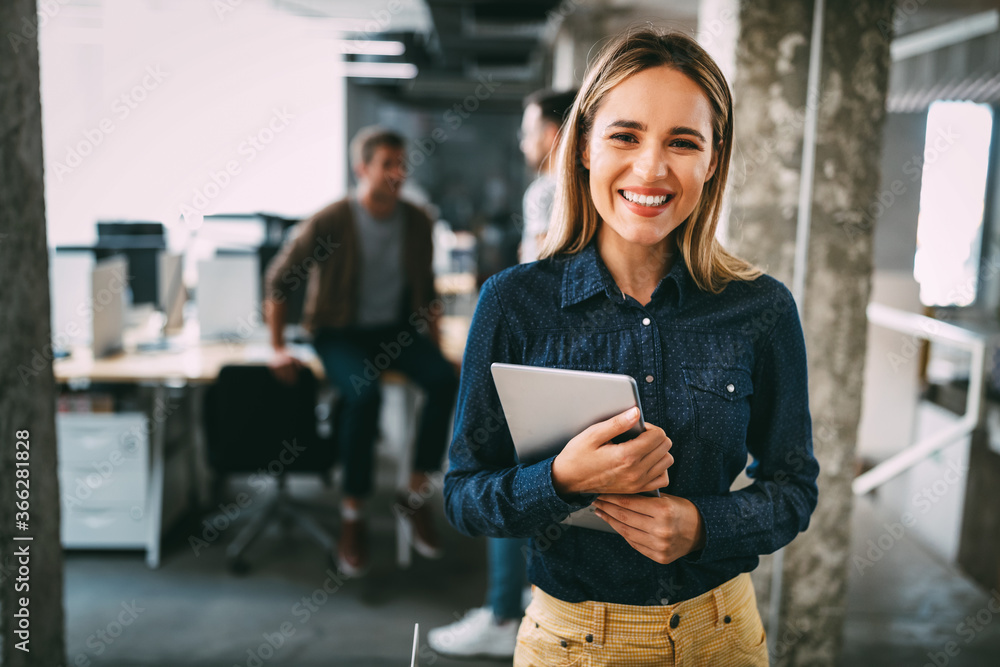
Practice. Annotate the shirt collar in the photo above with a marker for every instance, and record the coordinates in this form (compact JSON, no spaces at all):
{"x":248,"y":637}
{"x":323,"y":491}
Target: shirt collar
{"x":586,"y":275}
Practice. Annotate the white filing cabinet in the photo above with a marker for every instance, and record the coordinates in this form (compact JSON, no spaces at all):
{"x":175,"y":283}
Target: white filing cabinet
{"x":104,"y":479}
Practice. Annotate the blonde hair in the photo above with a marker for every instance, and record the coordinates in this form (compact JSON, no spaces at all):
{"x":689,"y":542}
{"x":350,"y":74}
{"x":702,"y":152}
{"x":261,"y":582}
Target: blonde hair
{"x":575,"y":219}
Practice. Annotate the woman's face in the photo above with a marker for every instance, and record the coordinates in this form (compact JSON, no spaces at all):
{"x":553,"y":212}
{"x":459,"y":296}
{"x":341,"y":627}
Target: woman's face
{"x":649,"y":153}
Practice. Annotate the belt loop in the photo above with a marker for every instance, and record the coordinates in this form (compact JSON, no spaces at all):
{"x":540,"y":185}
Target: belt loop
{"x":599,"y":623}
{"x":720,"y":607}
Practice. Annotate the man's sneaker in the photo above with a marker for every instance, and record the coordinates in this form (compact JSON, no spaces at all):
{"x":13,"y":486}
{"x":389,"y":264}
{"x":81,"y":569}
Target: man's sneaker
{"x":477,"y":634}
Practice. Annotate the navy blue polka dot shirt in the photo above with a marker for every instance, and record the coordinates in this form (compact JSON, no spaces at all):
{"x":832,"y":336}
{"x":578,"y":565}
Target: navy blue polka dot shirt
{"x":723,"y":375}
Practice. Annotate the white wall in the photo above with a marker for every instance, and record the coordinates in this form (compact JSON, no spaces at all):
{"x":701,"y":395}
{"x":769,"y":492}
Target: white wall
{"x":145,"y":105}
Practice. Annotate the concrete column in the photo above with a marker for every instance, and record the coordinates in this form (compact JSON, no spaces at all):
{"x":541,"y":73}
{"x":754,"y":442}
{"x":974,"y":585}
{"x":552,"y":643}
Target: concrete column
{"x":27,"y":385}
{"x":770,"y":91}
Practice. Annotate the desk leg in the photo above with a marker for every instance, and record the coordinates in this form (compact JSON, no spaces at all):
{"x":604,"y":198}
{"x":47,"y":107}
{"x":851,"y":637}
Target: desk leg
{"x":154,"y":494}
{"x":199,"y":491}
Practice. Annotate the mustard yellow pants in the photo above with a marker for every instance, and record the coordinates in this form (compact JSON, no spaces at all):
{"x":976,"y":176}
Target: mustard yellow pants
{"x":720,"y":628}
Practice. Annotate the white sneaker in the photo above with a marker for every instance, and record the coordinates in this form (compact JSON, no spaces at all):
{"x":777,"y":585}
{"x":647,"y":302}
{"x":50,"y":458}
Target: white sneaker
{"x":477,"y":634}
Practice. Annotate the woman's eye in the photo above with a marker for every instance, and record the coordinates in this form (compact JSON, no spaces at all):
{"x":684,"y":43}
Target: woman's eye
{"x":624,"y":137}
{"x":684,"y":143}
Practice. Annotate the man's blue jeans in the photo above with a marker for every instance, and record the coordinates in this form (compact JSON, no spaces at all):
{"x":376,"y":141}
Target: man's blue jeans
{"x":354,"y":358}
{"x":507,"y":577}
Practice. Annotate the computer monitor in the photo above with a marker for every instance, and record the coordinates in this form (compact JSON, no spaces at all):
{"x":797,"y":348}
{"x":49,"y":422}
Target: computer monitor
{"x":108,"y":285}
{"x":228,"y":297}
{"x":70,"y":275}
{"x":140,"y":243}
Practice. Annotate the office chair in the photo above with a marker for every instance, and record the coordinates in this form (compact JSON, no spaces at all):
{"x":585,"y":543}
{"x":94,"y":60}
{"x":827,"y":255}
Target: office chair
{"x":255,"y":424}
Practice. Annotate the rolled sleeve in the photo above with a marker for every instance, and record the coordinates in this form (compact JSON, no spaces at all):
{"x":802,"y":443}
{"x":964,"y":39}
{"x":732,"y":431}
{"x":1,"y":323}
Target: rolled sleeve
{"x":768,"y":514}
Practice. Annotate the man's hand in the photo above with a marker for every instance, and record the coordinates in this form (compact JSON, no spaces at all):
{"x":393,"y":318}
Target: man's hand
{"x":590,"y":463}
{"x":663,"y":529}
{"x":284,"y":366}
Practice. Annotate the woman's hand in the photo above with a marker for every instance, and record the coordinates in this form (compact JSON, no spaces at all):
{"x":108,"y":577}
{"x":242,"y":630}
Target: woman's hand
{"x":663,"y":529}
{"x":590,"y":463}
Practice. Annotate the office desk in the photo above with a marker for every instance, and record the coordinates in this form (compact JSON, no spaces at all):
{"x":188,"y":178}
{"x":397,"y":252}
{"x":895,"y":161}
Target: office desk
{"x":196,"y":365}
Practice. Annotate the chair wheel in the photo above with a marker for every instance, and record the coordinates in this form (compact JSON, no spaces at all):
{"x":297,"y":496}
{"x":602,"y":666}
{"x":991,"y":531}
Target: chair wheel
{"x":237,"y":566}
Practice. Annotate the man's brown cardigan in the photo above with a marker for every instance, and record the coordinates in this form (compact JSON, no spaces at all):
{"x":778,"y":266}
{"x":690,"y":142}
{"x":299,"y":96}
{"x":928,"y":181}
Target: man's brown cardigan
{"x":325,"y":253}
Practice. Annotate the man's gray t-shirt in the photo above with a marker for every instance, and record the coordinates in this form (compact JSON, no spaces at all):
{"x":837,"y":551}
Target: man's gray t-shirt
{"x":381,"y":276}
{"x":537,"y":203}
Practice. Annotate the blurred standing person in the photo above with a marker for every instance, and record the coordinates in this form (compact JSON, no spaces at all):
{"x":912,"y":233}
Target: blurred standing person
{"x":543,"y":115}
{"x":368,"y":262}
{"x":491,"y":630}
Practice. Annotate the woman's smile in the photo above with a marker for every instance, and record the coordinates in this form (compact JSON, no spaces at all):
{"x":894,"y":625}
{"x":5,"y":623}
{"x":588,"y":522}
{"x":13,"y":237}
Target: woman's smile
{"x":647,"y":202}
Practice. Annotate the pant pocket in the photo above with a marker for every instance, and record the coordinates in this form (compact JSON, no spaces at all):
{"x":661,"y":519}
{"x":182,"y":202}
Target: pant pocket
{"x":538,"y":646}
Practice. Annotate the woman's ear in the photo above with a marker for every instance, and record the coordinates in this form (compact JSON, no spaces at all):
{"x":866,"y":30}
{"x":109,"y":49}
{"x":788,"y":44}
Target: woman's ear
{"x":714,"y":163}
{"x":585,"y":154}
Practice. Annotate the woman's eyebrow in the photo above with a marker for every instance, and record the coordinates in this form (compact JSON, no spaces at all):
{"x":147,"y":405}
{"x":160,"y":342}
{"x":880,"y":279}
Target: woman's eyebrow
{"x":636,"y":125}
{"x":680,"y":129}
{"x":628,"y":125}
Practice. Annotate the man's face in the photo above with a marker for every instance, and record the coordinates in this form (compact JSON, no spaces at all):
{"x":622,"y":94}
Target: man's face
{"x":537,"y":136}
{"x":384,"y":174}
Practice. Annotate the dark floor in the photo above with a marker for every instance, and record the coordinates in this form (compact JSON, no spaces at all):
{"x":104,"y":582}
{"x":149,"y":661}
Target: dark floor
{"x":903,"y":611}
{"x":191,"y":612}
{"x":911,"y":609}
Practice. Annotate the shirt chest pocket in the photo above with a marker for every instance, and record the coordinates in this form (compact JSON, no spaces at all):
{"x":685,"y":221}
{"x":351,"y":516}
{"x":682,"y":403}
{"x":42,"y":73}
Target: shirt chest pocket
{"x":721,"y":401}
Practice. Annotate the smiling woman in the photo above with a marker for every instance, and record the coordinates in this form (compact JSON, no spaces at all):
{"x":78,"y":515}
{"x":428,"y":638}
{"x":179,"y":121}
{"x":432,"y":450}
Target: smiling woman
{"x":633,"y":281}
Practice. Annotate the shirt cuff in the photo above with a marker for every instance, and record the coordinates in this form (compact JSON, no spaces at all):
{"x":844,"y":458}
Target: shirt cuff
{"x":538,"y":497}
{"x":717,"y":514}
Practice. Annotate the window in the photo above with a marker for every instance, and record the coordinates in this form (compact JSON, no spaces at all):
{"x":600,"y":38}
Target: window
{"x":952,"y":200}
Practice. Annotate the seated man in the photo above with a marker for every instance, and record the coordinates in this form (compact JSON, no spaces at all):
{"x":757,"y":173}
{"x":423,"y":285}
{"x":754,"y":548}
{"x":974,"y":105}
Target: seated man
{"x":368,"y":304}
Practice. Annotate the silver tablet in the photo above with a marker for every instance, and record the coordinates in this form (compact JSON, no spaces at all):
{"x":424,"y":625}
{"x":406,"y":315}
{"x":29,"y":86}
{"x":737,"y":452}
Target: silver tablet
{"x":547,"y":407}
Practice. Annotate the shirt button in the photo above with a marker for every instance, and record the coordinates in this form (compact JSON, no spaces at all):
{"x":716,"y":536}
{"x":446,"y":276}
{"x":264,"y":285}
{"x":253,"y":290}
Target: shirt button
{"x":645,"y":321}
{"x":589,"y":638}
{"x":675,"y":620}
{"x":664,"y":601}
{"x":730,"y":387}
{"x":649,"y":378}
{"x":563,"y":643}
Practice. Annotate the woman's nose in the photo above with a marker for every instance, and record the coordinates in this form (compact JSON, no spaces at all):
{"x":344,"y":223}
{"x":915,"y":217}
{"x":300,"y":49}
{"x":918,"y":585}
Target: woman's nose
{"x":651,"y":164}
